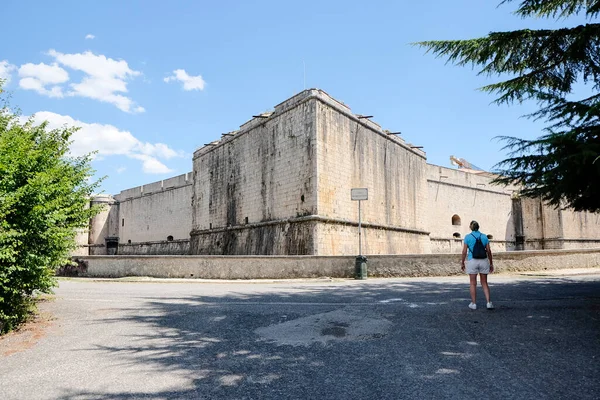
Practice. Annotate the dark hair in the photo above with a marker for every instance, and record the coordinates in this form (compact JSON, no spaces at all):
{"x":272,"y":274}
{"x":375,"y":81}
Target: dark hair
{"x":474,"y":225}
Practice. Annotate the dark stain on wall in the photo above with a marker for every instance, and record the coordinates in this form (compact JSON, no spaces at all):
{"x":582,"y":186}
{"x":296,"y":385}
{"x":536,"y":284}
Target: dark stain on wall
{"x":265,"y":174}
{"x":297,"y":239}
{"x":286,"y":238}
{"x":517,"y":213}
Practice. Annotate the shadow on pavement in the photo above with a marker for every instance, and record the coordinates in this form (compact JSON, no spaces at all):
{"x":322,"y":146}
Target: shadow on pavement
{"x":542,"y":341}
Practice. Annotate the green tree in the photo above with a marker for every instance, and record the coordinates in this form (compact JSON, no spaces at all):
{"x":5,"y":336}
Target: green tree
{"x":44,"y":197}
{"x":561,"y":166}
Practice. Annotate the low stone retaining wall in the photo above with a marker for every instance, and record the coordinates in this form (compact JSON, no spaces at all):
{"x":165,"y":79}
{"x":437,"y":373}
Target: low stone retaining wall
{"x":163,"y":247}
{"x":288,"y":267}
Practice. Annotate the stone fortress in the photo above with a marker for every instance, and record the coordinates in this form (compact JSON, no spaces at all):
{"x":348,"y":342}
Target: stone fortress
{"x":280,"y":185}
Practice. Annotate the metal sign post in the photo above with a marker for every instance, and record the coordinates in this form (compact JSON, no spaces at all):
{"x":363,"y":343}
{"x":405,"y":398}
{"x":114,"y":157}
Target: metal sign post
{"x":359,"y":232}
{"x":360,"y":194}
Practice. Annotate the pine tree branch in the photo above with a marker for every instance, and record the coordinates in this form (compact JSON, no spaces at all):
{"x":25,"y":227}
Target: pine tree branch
{"x":556,"y":8}
{"x":563,"y":113}
{"x":543,"y":60}
{"x":560,"y":167}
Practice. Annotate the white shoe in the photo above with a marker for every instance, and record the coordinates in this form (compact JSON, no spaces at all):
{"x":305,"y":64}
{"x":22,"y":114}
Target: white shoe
{"x":473,"y":306}
{"x":490,"y":306}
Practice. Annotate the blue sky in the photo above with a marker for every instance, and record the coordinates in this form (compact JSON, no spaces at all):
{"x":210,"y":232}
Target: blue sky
{"x":151,"y":81}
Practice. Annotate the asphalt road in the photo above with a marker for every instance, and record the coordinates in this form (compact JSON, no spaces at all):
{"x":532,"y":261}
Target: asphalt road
{"x":373,"y":339}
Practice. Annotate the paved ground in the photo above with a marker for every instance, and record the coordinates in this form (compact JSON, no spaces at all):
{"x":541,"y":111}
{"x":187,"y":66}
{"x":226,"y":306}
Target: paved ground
{"x":374,"y":339}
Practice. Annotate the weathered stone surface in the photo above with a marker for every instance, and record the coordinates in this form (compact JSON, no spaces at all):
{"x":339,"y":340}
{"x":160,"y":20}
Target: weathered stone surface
{"x":283,"y":237}
{"x":156,"y":211}
{"x":280,"y":185}
{"x":301,"y":161}
{"x":288,"y":267}
{"x":169,"y":247}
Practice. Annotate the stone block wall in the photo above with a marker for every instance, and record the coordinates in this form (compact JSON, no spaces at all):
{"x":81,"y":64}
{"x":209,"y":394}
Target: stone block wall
{"x":250,"y":186}
{"x":281,"y":184}
{"x":302,"y":160}
{"x":580,"y":229}
{"x":274,"y":267}
{"x":162,"y":247}
{"x":282,"y":237}
{"x":103,"y":225}
{"x":159,"y":211}
{"x":545,"y":227}
{"x":354,"y":152}
{"x":455,"y":198}
{"x":336,"y":238}
{"x":455,"y":245}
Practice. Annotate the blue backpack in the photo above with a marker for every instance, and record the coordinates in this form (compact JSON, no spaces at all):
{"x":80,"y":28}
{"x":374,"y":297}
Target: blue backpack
{"x":478,"y":249}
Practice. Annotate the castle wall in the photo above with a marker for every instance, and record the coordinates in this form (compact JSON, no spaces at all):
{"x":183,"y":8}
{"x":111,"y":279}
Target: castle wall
{"x":81,"y":240}
{"x":100,"y":225}
{"x":149,"y":214}
{"x":82,"y":237}
{"x":542,"y":225}
{"x":356,"y":153}
{"x":159,"y":247}
{"x":455,"y":198}
{"x":335,"y":238}
{"x":580,"y":229}
{"x":290,"y":267}
{"x":281,"y":186}
{"x":278,"y":237}
{"x":103,"y":225}
{"x":545,"y":227}
{"x":252,"y":185}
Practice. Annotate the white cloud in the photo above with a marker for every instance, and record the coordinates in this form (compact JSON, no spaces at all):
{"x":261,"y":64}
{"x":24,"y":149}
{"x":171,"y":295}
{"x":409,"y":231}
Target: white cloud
{"x":38,"y":76}
{"x":36,"y":85}
{"x":189,"y":82}
{"x":105,"y":78}
{"x":151,"y":165}
{"x":48,"y":74}
{"x":6,"y":70}
{"x":90,"y":36}
{"x":110,"y":141}
{"x":159,"y":150}
{"x":120,"y":170}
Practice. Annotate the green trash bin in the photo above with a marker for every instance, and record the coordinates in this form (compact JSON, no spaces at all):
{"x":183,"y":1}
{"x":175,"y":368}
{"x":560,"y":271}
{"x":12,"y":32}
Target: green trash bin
{"x":360,"y":271}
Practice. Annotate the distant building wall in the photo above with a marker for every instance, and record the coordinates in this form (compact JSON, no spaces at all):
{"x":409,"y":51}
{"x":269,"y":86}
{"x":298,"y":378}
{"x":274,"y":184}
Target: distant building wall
{"x":456,"y":245}
{"x":288,"y":174}
{"x":580,"y":229}
{"x":100,"y":224}
{"x":546,"y":227}
{"x":154,"y":214}
{"x":355,"y":152}
{"x":162,"y":247}
{"x":281,"y":186}
{"x":455,"y":198}
{"x":81,"y":239}
{"x":542,"y":225}
{"x":263,"y":174}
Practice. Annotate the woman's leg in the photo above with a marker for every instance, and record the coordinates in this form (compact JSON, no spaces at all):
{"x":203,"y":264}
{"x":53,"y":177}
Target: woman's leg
{"x":473,"y":287}
{"x":484,"y":285}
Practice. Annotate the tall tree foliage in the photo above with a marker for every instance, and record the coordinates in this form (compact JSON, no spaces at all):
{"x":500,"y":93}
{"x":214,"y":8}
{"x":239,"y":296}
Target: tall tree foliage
{"x":44,"y":197}
{"x":562,"y":166}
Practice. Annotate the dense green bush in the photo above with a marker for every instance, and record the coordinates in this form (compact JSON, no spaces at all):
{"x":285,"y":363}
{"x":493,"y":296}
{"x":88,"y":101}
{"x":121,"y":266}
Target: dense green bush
{"x":44,"y":196}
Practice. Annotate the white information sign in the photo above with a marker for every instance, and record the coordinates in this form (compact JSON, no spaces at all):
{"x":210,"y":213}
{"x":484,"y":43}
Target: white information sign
{"x":359,"y":193}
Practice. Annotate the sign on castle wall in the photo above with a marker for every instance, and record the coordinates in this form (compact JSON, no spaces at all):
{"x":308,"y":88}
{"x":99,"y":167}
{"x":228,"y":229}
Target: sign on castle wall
{"x":359,"y":194}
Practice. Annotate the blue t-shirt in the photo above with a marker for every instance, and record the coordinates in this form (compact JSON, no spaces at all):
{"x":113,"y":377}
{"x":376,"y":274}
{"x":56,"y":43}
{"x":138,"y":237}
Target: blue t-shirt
{"x":470,"y":241}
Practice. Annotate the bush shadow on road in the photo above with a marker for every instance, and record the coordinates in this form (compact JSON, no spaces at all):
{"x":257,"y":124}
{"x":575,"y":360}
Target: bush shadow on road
{"x":541,"y":327}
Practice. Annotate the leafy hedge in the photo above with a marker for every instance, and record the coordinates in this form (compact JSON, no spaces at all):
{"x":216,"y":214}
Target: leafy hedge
{"x":44,"y":199}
